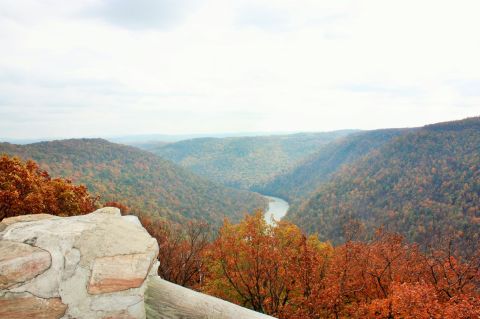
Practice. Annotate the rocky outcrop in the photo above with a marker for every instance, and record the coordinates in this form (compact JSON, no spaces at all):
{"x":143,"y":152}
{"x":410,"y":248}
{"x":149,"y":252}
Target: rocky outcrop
{"x":91,"y":266}
{"x":21,"y":262}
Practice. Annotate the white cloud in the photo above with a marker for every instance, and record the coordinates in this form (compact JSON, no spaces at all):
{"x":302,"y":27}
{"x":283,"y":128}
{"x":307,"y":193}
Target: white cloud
{"x":216,"y":65}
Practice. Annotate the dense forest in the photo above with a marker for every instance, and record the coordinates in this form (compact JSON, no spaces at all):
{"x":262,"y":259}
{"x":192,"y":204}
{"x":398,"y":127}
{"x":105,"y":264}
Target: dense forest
{"x":308,"y":175}
{"x":421,"y":184}
{"x":145,"y":183}
{"x":243,"y":162}
{"x":275,"y":268}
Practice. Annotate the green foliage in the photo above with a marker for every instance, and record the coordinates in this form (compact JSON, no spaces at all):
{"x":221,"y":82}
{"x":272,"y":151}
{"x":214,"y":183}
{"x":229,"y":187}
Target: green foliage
{"x":308,"y":175}
{"x":422,"y":183}
{"x":144,"y":182}
{"x":244,"y":162}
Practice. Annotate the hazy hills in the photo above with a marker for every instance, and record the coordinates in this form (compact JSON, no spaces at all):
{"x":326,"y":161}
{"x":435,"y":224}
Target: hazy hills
{"x":416,"y":181}
{"x":309,"y":174}
{"x":139,"y":179}
{"x":243,"y":162}
{"x":420,"y":183}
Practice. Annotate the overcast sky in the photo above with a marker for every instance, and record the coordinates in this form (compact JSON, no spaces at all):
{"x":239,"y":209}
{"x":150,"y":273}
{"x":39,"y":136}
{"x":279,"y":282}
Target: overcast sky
{"x":120,"y":67}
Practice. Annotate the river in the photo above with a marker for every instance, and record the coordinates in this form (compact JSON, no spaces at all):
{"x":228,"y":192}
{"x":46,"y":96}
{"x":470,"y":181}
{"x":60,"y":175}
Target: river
{"x":277,"y":208}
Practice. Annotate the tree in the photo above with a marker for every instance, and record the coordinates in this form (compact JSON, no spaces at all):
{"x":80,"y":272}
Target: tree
{"x":26,"y":189}
{"x":181,"y":250}
{"x":266,"y":268}
{"x":278,"y":270}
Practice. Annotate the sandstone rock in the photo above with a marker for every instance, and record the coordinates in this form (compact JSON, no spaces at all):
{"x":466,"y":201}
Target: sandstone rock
{"x":114,"y":211}
{"x":21,"y":262}
{"x":119,"y":273}
{"x":26,"y":218}
{"x":114,"y":303}
{"x":97,"y":264}
{"x":133,"y":219}
{"x":119,"y":315}
{"x":24,"y":306}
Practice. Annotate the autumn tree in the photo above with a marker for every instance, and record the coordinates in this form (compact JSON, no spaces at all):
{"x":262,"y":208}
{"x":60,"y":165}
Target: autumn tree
{"x":390,"y":278}
{"x":279,"y":271}
{"x":181,"y":249}
{"x":261,"y":266}
{"x":26,"y":189}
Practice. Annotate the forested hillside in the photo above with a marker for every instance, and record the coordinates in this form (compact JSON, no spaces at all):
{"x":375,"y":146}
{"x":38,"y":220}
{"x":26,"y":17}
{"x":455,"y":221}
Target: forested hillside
{"x":244,"y":161}
{"x":308,"y":175}
{"x":420,"y":184}
{"x":141,"y":180}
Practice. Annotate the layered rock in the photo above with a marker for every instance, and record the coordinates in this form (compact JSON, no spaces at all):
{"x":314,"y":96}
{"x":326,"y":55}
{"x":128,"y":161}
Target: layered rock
{"x":91,"y":266}
{"x":21,"y":262}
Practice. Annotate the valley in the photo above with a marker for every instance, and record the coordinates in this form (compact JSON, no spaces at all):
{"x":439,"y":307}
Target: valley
{"x":239,"y":159}
{"x":147,"y":184}
{"x":405,"y":201}
{"x":243,"y":162}
{"x":277,"y":209}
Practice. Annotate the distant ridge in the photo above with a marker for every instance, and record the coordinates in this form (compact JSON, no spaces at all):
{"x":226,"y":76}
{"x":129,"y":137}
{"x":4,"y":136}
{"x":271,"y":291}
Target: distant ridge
{"x":138,"y":179}
{"x":308,"y":175}
{"x":244,"y":162}
{"x":422,"y":183}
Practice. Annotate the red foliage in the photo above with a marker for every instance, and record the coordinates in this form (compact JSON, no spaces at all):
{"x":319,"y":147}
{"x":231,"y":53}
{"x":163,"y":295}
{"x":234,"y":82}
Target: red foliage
{"x":276,"y":270}
{"x":181,"y":250}
{"x":26,"y":189}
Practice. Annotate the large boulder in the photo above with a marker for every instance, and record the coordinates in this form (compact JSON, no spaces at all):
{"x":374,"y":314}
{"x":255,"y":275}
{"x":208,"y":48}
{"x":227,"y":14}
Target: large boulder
{"x":21,"y":262}
{"x":91,"y":266}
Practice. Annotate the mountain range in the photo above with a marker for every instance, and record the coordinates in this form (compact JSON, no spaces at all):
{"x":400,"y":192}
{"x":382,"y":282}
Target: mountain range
{"x":420,"y":182}
{"x":243,"y":162}
{"x":144,"y":182}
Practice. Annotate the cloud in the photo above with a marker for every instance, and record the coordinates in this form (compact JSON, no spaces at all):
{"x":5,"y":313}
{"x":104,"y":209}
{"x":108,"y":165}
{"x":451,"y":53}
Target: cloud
{"x":75,"y":68}
{"x":142,"y":14}
{"x":383,"y":89}
{"x":263,"y":17}
{"x":467,"y":87}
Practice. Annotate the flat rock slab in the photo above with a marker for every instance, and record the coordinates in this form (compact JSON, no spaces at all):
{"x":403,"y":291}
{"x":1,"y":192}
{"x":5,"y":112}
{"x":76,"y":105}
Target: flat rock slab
{"x":26,"y":307}
{"x":26,"y":218}
{"x":118,"y":273}
{"x":21,"y":262}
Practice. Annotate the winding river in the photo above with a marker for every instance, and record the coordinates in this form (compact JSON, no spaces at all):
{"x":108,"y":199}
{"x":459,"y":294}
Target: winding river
{"x":277,"y":208}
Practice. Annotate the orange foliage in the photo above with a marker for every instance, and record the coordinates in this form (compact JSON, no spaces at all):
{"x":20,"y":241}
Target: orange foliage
{"x":26,"y":189}
{"x":181,"y":250}
{"x":277,"y":270}
{"x":263,"y":267}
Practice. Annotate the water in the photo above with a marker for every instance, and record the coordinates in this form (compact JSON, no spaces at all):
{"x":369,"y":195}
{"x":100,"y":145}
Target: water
{"x":277,"y":208}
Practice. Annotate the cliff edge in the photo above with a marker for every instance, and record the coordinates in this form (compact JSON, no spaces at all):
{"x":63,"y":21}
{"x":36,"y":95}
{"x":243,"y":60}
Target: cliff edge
{"x":90,"y":266}
{"x":100,"y":265}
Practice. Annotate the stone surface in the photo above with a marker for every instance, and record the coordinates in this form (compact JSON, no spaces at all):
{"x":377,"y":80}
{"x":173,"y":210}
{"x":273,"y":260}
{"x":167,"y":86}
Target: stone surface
{"x":20,"y":262}
{"x":133,"y":219}
{"x":114,"y":211}
{"x":26,"y":218}
{"x":119,"y":315}
{"x":110,"y":255}
{"x":118,"y":273}
{"x":115,"y":303}
{"x":24,"y":306}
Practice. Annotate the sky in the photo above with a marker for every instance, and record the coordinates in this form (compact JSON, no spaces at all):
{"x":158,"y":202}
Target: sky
{"x":122,"y":67}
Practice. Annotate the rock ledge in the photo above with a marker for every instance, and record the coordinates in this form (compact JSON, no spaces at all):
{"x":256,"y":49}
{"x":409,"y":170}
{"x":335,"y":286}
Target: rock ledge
{"x":91,"y":266}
